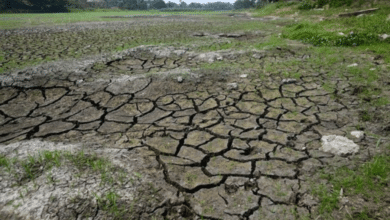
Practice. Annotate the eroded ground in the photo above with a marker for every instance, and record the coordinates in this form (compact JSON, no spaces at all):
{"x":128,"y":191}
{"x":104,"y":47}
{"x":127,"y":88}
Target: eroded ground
{"x":216,"y":144}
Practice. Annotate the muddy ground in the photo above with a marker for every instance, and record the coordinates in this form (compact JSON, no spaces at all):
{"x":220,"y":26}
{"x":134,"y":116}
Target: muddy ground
{"x":181,"y":142}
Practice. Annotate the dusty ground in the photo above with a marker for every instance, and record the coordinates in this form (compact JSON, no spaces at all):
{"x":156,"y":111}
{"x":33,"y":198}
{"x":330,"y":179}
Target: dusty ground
{"x":200,"y":148}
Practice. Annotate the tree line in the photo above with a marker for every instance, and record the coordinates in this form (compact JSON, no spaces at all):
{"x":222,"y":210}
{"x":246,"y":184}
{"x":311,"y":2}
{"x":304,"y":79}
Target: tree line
{"x":52,"y":6}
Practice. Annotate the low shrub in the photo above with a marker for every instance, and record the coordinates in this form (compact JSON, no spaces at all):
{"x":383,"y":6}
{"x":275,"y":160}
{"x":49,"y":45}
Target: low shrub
{"x":322,"y":3}
{"x":309,"y":34}
{"x":331,"y":40}
{"x":306,"y":5}
{"x":339,"y":3}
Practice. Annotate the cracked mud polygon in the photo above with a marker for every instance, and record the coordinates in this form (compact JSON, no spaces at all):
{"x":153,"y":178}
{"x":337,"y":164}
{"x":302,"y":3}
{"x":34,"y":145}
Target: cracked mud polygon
{"x":193,"y":149}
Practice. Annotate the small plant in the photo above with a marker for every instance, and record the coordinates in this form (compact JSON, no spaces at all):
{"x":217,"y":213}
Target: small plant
{"x":382,"y":101}
{"x":122,"y":176}
{"x":4,"y":162}
{"x":99,"y":66}
{"x":208,"y":210}
{"x":231,"y":165}
{"x":16,"y":206}
{"x":52,"y":198}
{"x":365,"y":116}
{"x":191,"y":178}
{"x":50,"y":178}
{"x":278,"y":190}
{"x":138,"y":175}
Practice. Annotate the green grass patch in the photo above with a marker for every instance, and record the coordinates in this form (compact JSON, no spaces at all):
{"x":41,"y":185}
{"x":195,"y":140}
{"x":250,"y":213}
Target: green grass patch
{"x":108,"y":202}
{"x":367,"y":180}
{"x":47,"y":159}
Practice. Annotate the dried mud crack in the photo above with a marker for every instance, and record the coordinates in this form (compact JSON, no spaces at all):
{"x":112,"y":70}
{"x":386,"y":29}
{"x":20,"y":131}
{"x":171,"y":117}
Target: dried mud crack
{"x":218,"y":145}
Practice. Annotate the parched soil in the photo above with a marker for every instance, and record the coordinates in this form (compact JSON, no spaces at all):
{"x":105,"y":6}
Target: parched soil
{"x":184,"y":141}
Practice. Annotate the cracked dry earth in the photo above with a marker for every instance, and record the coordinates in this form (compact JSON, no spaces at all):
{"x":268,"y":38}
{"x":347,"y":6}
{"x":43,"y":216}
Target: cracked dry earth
{"x":202,"y":148}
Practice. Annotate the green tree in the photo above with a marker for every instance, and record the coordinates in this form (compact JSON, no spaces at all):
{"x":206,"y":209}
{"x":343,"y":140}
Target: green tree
{"x":241,"y":4}
{"x":133,"y":5}
{"x":158,"y":4}
{"x":112,"y":3}
{"x":129,"y":4}
{"x":195,"y":5}
{"x":171,"y":4}
{"x":183,"y":5}
{"x":219,"y":6}
{"x":142,"y":5}
{"x":12,"y":4}
{"x":46,"y":5}
{"x":78,"y":4}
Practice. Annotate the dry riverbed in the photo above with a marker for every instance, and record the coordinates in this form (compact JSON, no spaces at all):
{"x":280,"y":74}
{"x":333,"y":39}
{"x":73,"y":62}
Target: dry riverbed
{"x":181,"y":132}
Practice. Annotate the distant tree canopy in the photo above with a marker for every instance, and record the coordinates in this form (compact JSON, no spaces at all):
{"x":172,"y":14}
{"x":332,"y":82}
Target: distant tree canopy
{"x":195,"y":5}
{"x":142,"y":5}
{"x":78,"y":4}
{"x":241,"y":4}
{"x":129,"y":4}
{"x":9,"y":4}
{"x":183,"y":5}
{"x":158,"y":4}
{"x":51,"y":6}
{"x":172,"y":5}
{"x":219,"y":5}
{"x":34,"y":5}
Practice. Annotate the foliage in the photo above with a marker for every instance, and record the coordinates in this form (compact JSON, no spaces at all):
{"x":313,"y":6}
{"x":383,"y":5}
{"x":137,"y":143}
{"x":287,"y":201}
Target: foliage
{"x":241,"y":4}
{"x":322,"y":3}
{"x":77,"y":4}
{"x":112,"y":3}
{"x":128,"y":4}
{"x":171,"y":4}
{"x":142,"y":5}
{"x":47,"y":4}
{"x":219,"y":6}
{"x":339,"y":3}
{"x":309,"y":4}
{"x":9,"y":4}
{"x":158,"y":4}
{"x":41,"y":6}
{"x":133,"y":5}
{"x":183,"y":5}
{"x":306,"y":5}
{"x":308,"y":34}
{"x":195,"y":5}
{"x":44,"y":6}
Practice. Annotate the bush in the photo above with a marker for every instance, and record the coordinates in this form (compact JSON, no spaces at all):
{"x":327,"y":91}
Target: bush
{"x":322,"y":3}
{"x":331,"y":40}
{"x":313,"y":35}
{"x":305,"y":5}
{"x":356,"y":39}
{"x":339,"y":3}
{"x":285,"y":4}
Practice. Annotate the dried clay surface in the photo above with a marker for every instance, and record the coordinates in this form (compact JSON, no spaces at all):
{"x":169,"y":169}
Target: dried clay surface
{"x":212,"y":145}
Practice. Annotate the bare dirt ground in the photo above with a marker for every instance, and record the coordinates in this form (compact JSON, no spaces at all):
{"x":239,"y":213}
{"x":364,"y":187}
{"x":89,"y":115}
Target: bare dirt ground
{"x":181,"y":141}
